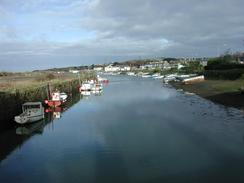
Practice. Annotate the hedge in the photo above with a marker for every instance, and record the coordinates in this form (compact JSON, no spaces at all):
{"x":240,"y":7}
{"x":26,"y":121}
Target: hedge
{"x":229,"y":66}
{"x":230,"y":74}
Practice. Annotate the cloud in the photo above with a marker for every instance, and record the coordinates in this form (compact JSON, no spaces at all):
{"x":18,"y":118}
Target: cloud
{"x":120,"y":29}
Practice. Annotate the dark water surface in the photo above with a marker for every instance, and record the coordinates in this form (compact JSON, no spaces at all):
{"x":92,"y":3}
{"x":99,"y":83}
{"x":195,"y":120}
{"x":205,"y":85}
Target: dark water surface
{"x":137,"y":131}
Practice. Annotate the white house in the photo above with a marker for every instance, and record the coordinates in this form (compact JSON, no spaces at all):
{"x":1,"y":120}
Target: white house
{"x":111,"y":68}
{"x":179,"y":66}
{"x":124,"y":68}
{"x":74,"y":71}
{"x":98,"y":68}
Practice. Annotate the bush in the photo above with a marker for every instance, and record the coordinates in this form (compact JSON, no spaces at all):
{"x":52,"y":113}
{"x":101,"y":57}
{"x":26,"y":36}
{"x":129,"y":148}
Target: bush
{"x":230,"y":74}
{"x":226,"y":66}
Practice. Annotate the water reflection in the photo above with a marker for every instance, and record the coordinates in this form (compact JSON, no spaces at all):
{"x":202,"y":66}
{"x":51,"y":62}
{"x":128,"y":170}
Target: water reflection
{"x":136,"y":131}
{"x":31,"y":128}
{"x":55,"y":112}
{"x":14,"y":137}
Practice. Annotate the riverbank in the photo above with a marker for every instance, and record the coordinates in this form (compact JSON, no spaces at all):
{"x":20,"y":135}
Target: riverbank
{"x":18,"y":88}
{"x":224,"y":92}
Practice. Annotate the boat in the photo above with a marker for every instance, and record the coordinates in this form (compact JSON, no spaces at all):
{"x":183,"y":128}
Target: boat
{"x":85,"y":87}
{"x":102,"y":80}
{"x":131,"y":74}
{"x":97,"y":87}
{"x":31,"y":112}
{"x":85,"y":93}
{"x":55,"y":101}
{"x":168,"y":78}
{"x":192,"y":80}
{"x":158,"y":77}
{"x":63,"y":96}
{"x":146,"y":76}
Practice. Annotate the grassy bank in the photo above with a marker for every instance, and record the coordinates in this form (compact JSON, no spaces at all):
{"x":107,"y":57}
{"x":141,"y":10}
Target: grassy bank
{"x":15,"y":89}
{"x":12,"y":82}
{"x":224,"y":92}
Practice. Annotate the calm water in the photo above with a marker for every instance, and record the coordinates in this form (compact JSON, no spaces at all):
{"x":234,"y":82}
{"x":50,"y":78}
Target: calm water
{"x":137,"y":131}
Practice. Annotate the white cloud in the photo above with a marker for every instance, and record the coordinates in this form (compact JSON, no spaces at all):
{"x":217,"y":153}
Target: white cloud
{"x":128,"y":28}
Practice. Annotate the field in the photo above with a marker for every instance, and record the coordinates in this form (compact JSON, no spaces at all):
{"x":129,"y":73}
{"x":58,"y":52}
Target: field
{"x":22,"y":81}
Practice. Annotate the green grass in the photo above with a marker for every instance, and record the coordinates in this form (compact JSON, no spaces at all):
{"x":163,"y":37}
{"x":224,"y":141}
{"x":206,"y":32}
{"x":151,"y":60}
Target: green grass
{"x":212,"y":87}
{"x":225,"y":86}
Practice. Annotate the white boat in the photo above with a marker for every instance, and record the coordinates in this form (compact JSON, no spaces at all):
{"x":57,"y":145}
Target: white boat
{"x":85,"y":87}
{"x":131,"y":74}
{"x":102,"y":80}
{"x":158,"y":77}
{"x":97,"y":87}
{"x":85,"y":93}
{"x":155,"y":75}
{"x":63,"y":96}
{"x":32,"y":112}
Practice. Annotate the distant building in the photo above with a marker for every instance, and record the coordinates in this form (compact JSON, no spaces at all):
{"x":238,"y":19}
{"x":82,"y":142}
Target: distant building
{"x":74,"y":71}
{"x":204,"y":63}
{"x":111,"y":68}
{"x":180,"y":66}
{"x":98,"y":68}
{"x":166,"y":66}
{"x":125,"y":68}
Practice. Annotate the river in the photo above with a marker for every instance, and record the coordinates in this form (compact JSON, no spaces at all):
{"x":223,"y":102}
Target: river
{"x":136,"y":131}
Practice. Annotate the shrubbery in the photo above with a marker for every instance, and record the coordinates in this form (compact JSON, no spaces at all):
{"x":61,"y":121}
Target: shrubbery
{"x":230,"y":74}
{"x":225,"y":66}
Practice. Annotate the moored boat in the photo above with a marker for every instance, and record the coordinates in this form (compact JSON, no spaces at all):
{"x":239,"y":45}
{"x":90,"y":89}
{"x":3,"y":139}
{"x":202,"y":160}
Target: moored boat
{"x":31,"y":112}
{"x":57,"y":99}
{"x":85,"y":93}
{"x":85,"y":87}
{"x":97,"y":87}
{"x":63,"y":96}
{"x":102,"y":80}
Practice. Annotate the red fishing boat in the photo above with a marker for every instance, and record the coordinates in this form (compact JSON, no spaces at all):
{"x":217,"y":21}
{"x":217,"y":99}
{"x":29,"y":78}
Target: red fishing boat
{"x":57,"y":99}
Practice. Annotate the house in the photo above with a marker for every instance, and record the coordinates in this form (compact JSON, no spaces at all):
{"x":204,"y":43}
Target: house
{"x":74,"y":71}
{"x":111,"y":68}
{"x":98,"y":68}
{"x":125,"y":68}
{"x":180,"y":66}
{"x":204,"y":63}
{"x":166,"y":65}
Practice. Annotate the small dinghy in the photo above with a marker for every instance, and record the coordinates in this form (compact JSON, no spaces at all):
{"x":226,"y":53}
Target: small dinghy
{"x":32,"y":112}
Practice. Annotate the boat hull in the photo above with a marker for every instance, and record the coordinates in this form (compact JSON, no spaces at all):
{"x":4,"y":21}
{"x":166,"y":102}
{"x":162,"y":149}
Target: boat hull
{"x":52,"y":103}
{"x":27,"y":119}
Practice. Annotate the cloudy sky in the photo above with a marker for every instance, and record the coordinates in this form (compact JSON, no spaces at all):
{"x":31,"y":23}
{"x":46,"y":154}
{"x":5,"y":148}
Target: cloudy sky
{"x":37,"y":34}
